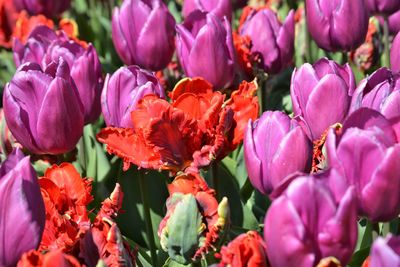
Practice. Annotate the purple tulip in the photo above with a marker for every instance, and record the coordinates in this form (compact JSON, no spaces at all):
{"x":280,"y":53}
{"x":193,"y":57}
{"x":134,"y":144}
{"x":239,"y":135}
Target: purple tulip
{"x":42,"y":108}
{"x":395,"y":54}
{"x":123,"y":90}
{"x":45,"y":7}
{"x":22,"y":209}
{"x":385,"y":252}
{"x":385,"y":7}
{"x":328,"y":23}
{"x":306,"y":224}
{"x":220,"y":8}
{"x":321,"y":95}
{"x":379,"y":91}
{"x":268,"y":150}
{"x":366,"y":156}
{"x":271,"y":40}
{"x":44,"y":46}
{"x":143,"y":33}
{"x":36,"y":46}
{"x":205,"y":48}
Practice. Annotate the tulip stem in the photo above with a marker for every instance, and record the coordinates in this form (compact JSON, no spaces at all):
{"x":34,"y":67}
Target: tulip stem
{"x":386,"y":43}
{"x":262,"y":91}
{"x":214,"y":178}
{"x":147,"y":217}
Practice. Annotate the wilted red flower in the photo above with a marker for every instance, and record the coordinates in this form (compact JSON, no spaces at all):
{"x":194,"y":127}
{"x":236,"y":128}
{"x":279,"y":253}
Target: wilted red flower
{"x":367,"y":54}
{"x":66,"y":196}
{"x":35,"y":258}
{"x":8,"y":17}
{"x":245,"y":58}
{"x":245,"y":107}
{"x":245,"y":250}
{"x":191,"y":196}
{"x":196,"y":128}
{"x":104,"y":241}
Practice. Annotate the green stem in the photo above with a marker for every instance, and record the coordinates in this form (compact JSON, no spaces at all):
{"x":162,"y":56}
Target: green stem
{"x":147,"y":217}
{"x":214,"y":178}
{"x":262,"y":92}
{"x":308,"y":54}
{"x":386,"y":43}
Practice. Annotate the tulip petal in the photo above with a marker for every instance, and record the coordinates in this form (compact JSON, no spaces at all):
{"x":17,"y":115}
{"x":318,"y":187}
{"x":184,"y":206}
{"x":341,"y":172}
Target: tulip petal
{"x":22,"y":214}
{"x":209,"y":57}
{"x":156,"y":40}
{"x":59,"y":101}
{"x":286,"y":161}
{"x":304,"y":80}
{"x":253,"y":163}
{"x":330,"y":98}
{"x":380,"y":197}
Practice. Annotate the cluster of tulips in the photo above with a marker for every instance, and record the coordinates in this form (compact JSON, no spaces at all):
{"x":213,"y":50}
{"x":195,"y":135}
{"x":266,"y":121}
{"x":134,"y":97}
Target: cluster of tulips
{"x":259,"y":133}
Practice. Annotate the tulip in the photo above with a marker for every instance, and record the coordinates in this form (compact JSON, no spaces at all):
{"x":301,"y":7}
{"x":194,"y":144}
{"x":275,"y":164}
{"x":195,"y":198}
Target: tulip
{"x":268,"y":150}
{"x":44,"y":46}
{"x":50,"y":259}
{"x":205,"y":48}
{"x":366,"y":155}
{"x":379,"y":91}
{"x":385,"y":7}
{"x":395,"y":54}
{"x":122,"y":92}
{"x":22,"y":209}
{"x":35,"y":47}
{"x":328,"y":23}
{"x":306,"y":225}
{"x":385,"y":252}
{"x":220,"y":8}
{"x":321,"y":95}
{"x":42,"y":108}
{"x":271,"y":40}
{"x":246,"y":250}
{"x":143,"y":33}
{"x":45,"y":7}
{"x":85,"y":71}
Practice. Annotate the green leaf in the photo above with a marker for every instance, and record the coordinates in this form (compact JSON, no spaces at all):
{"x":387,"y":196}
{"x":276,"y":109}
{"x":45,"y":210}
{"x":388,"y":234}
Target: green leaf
{"x":359,"y":257}
{"x":131,"y":222}
{"x":228,"y":186}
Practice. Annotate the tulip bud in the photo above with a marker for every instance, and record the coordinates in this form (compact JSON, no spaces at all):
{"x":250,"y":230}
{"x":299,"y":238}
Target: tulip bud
{"x":328,"y":23}
{"x":385,"y":252}
{"x":321,"y":95}
{"x":365,"y":155}
{"x":275,"y":46}
{"x":314,"y":225}
{"x":143,"y":33}
{"x":42,"y":108}
{"x":385,"y":7}
{"x":379,"y":91}
{"x":220,"y":8}
{"x":395,"y":54}
{"x":122,"y":92}
{"x":268,"y":150}
{"x":22,"y":209}
{"x":205,"y":48}
{"x":47,"y":8}
{"x":44,"y":46}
